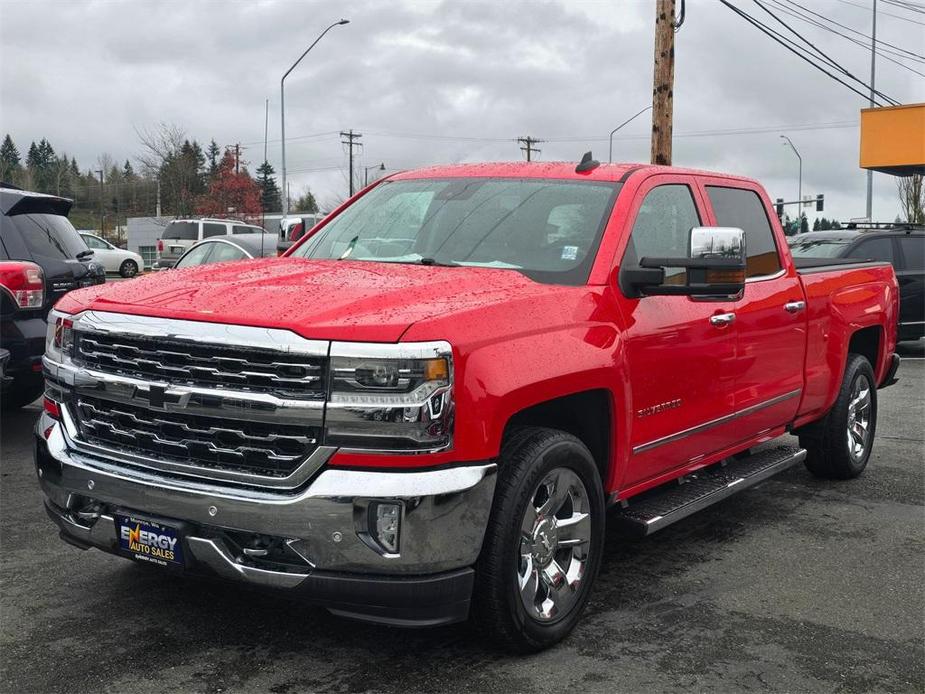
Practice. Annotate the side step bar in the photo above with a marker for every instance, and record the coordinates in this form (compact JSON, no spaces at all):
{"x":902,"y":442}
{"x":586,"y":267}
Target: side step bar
{"x":664,"y":505}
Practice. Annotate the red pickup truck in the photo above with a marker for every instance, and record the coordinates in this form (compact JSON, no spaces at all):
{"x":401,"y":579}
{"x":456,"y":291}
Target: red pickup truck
{"x":426,"y":407}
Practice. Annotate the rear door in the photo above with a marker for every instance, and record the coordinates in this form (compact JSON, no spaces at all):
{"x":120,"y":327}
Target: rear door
{"x":178,"y":236}
{"x":771,"y":317}
{"x":909,"y":265}
{"x":680,"y":356}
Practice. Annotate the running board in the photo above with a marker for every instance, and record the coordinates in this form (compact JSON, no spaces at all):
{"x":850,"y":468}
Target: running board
{"x":664,"y":505}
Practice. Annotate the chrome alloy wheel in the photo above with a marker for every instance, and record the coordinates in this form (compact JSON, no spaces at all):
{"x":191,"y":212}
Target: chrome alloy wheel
{"x":555,"y":533}
{"x":859,"y":412}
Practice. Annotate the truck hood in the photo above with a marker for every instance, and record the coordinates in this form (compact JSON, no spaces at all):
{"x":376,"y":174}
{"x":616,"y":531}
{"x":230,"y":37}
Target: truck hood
{"x":320,"y":299}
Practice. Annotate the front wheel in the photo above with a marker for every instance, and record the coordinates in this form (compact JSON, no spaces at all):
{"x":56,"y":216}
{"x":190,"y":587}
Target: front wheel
{"x":839,"y":446}
{"x":129,"y":268}
{"x":543,"y":543}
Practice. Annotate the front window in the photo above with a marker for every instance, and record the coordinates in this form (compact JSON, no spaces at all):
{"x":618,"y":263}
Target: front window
{"x":547,"y":229}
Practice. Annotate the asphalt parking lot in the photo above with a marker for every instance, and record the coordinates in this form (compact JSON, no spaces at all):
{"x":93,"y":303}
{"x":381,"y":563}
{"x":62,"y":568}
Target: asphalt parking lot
{"x":797,"y":585}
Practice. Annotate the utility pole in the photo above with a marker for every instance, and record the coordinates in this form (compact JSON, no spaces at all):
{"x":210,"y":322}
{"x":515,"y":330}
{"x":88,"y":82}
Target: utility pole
{"x":157,"y":209}
{"x":100,"y":172}
{"x":873,"y":78}
{"x":237,"y":158}
{"x":663,"y":86}
{"x":351,"y":142}
{"x":528,"y":146}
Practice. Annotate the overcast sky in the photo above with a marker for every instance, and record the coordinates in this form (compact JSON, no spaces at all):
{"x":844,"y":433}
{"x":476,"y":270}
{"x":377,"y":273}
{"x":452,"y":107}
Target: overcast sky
{"x":431,"y":82}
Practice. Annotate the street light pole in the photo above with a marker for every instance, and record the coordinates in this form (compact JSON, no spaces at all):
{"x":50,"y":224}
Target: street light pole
{"x":800,"y":179}
{"x":367,"y":169}
{"x":610,"y":156}
{"x":873,"y":77}
{"x":282,"y":106}
{"x":100,"y":172}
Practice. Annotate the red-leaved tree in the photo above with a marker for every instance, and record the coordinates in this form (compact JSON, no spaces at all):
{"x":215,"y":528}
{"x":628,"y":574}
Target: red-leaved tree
{"x":230,"y":194}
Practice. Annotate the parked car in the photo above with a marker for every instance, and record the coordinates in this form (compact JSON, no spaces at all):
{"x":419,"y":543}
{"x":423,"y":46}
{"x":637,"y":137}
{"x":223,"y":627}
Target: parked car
{"x":180,"y":234}
{"x":41,"y":258}
{"x":291,"y":229}
{"x":113,"y":259}
{"x":425,"y":408}
{"x":222,"y":249}
{"x":903,"y":247}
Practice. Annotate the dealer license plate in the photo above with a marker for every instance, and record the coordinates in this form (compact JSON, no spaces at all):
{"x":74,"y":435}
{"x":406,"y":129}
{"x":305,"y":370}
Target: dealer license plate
{"x":150,"y":541}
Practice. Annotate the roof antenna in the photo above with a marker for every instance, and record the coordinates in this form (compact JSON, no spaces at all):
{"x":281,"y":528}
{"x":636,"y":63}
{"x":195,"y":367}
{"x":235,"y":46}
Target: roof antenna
{"x":588,"y":163}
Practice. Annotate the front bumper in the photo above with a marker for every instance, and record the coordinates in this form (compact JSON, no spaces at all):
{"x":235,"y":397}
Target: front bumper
{"x":323,"y":526}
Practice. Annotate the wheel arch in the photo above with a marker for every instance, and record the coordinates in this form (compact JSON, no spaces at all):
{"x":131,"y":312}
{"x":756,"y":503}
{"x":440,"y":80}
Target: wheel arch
{"x":588,"y":415}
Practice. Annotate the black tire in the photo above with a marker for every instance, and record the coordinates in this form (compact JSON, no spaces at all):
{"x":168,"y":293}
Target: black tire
{"x":128,"y":268}
{"x":22,"y":391}
{"x":528,"y":457}
{"x":830,"y":455}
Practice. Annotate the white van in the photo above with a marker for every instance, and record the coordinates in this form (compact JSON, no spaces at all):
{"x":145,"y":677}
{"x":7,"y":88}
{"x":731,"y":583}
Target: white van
{"x":180,"y":234}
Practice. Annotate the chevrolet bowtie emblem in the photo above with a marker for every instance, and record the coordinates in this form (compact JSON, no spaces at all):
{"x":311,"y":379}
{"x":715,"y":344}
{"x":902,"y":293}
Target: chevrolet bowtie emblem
{"x":156,"y":396}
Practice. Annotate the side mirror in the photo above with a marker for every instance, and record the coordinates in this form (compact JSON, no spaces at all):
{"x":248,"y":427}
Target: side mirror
{"x":715,"y":266}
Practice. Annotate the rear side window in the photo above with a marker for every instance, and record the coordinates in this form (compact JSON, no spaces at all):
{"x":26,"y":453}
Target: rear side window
{"x":913,"y":252}
{"x":874,"y":249}
{"x":662,"y":227}
{"x":183,"y":231}
{"x":49,"y":236}
{"x":213,"y":229}
{"x":241,"y":229}
{"x":740,"y":208}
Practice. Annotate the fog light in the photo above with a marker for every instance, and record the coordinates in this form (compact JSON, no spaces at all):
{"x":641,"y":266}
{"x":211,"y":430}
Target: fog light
{"x":385,"y":524}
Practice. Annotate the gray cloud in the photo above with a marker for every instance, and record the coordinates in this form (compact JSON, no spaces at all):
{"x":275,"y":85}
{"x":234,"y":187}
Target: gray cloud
{"x":411,"y":75}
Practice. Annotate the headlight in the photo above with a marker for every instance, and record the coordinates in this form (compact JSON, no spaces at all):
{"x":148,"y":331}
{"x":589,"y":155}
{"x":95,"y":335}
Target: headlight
{"x":59,"y":339}
{"x":391,"y":398}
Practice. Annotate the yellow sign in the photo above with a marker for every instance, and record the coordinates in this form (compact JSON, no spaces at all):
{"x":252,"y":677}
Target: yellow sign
{"x":893,"y":139}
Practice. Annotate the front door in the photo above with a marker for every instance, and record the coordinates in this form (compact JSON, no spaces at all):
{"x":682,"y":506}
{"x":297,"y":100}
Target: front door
{"x":770,"y":319}
{"x":679,"y":350}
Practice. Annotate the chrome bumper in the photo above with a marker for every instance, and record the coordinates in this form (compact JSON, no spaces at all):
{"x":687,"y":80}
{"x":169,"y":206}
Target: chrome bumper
{"x":444,"y":513}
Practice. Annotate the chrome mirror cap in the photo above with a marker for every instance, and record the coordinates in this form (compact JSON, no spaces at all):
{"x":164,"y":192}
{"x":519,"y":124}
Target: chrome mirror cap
{"x":717,"y":242}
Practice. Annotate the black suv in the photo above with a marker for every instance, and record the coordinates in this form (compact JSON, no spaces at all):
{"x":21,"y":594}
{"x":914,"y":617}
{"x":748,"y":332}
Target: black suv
{"x":903,"y":245}
{"x":42,"y":257}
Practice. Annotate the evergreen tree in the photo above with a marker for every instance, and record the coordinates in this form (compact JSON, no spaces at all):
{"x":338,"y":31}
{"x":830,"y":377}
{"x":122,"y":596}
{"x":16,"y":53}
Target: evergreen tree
{"x":816,"y":224}
{"x":9,"y":159}
{"x":214,"y":153}
{"x":269,"y":190}
{"x":804,"y":224}
{"x":306,"y":202}
{"x":128,"y":173}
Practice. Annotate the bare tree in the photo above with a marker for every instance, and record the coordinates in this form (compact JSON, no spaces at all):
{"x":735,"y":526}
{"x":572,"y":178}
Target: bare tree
{"x":168,"y":156}
{"x":912,"y":197}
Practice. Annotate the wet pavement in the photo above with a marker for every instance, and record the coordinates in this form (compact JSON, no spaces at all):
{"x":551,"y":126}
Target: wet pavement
{"x":795,"y":585}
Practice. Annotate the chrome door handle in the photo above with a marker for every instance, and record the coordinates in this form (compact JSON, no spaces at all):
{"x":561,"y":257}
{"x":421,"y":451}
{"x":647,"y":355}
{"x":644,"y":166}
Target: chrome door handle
{"x":794,"y":306}
{"x":722,"y":319}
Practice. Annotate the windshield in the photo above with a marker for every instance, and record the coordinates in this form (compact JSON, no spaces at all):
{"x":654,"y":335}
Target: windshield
{"x":49,"y":236}
{"x":547,"y":229}
{"x":819,"y":248}
{"x":186,"y":231}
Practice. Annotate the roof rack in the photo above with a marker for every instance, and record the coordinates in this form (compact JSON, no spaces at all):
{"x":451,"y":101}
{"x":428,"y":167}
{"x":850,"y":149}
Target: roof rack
{"x":882,"y":226}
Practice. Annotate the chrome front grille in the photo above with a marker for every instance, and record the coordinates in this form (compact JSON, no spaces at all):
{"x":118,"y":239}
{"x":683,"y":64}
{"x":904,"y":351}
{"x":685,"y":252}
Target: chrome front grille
{"x":208,"y":365}
{"x":211,"y":443}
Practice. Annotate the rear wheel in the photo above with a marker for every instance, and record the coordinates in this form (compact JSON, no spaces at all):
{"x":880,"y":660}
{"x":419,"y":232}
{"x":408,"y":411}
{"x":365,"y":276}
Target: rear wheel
{"x":128,"y":268}
{"x":543,"y":543}
{"x":839,"y":446}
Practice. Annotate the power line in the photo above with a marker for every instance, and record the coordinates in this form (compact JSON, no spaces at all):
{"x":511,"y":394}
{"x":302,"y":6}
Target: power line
{"x":779,"y":38}
{"x":867,"y":9}
{"x":882,"y":52}
{"x":831,"y":61}
{"x":880,"y":42}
